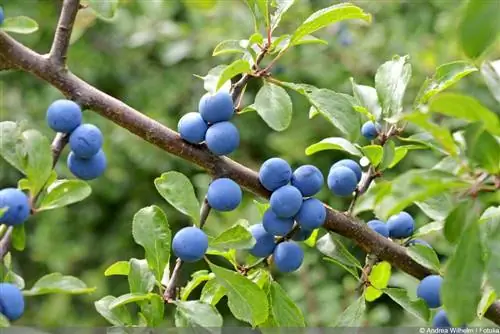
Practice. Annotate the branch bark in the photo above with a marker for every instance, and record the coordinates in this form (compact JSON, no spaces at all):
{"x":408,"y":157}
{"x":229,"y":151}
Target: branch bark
{"x":163,"y":137}
{"x":59,"y":50}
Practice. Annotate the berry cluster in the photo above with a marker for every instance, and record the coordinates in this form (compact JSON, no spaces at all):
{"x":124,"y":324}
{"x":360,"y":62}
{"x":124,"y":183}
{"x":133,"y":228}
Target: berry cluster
{"x":86,"y":160}
{"x":11,"y":301}
{"x":290,"y":202}
{"x":211,"y":124}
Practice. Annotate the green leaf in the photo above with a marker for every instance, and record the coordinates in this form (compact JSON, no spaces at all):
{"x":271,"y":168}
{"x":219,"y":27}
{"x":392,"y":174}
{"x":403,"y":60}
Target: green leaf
{"x":399,"y":154}
{"x":437,"y":207}
{"x":128,"y":299}
{"x":274,"y":106}
{"x":424,"y":255}
{"x":491,"y":221}
{"x":105,"y":9}
{"x":326,"y":17}
{"x":150,"y":230}
{"x":261,"y":277}
{"x":482,"y":148}
{"x":262,"y":207}
{"x":479,"y":27}
{"x":491,"y":75}
{"x":247,"y":301}
{"x":428,"y":228}
{"x":334,"y":143}
{"x":198,"y":315}
{"x":197,"y":278}
{"x":391,"y":80}
{"x":211,"y":80}
{"x":457,"y":221}
{"x":177,"y":190}
{"x":389,"y":155}
{"x":283,"y":310}
{"x":10,"y":144}
{"x":331,"y":246}
{"x":120,"y":268}
{"x":263,"y":6}
{"x":119,"y":316}
{"x":374,"y":153}
{"x":154,"y":310}
{"x":212,"y":292}
{"x":37,"y":156}
{"x":4,"y":322}
{"x":237,"y":67}
{"x":236,"y":237}
{"x":367,"y":98}
{"x":57,"y":283}
{"x":461,"y":289}
{"x":228,"y":46}
{"x":18,"y":238}
{"x":446,"y":75}
{"x":62,"y":193}
{"x":489,"y":296}
{"x":140,"y":278}
{"x":311,"y":241}
{"x":378,"y":278}
{"x":281,"y":7}
{"x":205,"y":5}
{"x":467,"y":108}
{"x":416,"y":307}
{"x":19,"y":25}
{"x":353,"y":315}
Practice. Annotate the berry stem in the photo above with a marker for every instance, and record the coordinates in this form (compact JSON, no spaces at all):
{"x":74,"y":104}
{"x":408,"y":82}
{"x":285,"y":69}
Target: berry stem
{"x":5,"y":242}
{"x":170,"y":294}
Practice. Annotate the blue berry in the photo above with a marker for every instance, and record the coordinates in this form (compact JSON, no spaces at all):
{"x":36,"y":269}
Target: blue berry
{"x":370,"y":130}
{"x":222,"y":138}
{"x":308,"y":179}
{"x":288,"y":256}
{"x":379,"y":226}
{"x":87,"y":169}
{"x":441,"y":320}
{"x":192,"y":128}
{"x":190,"y":244}
{"x":286,"y":201}
{"x":302,"y":235}
{"x":64,"y":116}
{"x":85,"y":141}
{"x":216,"y":108}
{"x":429,"y":290}
{"x":2,"y":16}
{"x":264,"y":242}
{"x":275,"y":173}
{"x":11,"y":301}
{"x":224,"y":194}
{"x":401,"y":225}
{"x":419,"y":242}
{"x":312,"y":214}
{"x":342,"y":181}
{"x":17,"y":204}
{"x":275,"y":225}
{"x":352,"y":165}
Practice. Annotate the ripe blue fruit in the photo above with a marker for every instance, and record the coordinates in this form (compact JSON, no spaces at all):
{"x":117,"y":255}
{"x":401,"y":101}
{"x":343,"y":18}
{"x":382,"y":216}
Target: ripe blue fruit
{"x":11,"y":301}
{"x":342,"y":181}
{"x":288,"y":256}
{"x":286,"y":201}
{"x":379,"y":226}
{"x":224,"y":194}
{"x":308,"y":179}
{"x":419,"y":242}
{"x":86,"y":140}
{"x":312,"y":214}
{"x":352,"y":165}
{"x":64,"y":116}
{"x":87,"y":169}
{"x":441,"y":320}
{"x":192,"y":128}
{"x":429,"y":290}
{"x":275,"y":225}
{"x":275,"y":173}
{"x":190,"y":244}
{"x":370,"y":130}
{"x":222,"y":138}
{"x":216,"y":108}
{"x":264,"y":242}
{"x":401,"y":225}
{"x":17,"y":204}
{"x":302,"y":235}
{"x":1,"y":16}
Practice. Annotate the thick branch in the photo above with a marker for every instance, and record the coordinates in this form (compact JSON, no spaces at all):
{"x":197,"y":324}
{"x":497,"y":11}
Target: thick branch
{"x":168,"y":140}
{"x":60,"y":45}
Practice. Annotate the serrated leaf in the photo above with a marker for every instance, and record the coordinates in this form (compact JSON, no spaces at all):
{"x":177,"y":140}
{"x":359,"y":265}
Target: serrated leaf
{"x":367,"y":98}
{"x":197,"y":278}
{"x":428,"y":228}
{"x":479,"y":27}
{"x":237,"y":67}
{"x":19,"y":238}
{"x":37,"y":159}
{"x":334,"y":143}
{"x":62,"y":193}
{"x":283,"y":310}
{"x":374,"y":153}
{"x":203,"y":318}
{"x":105,"y":9}
{"x":378,"y":278}
{"x":326,"y":17}
{"x":236,"y":237}
{"x":19,"y":25}
{"x":332,"y":247}
{"x":119,"y":316}
{"x":128,"y":299}
{"x":227,"y":47}
{"x":416,"y":307}
{"x":177,"y":190}
{"x":10,"y":143}
{"x":425,"y":256}
{"x":140,"y":278}
{"x":437,"y":207}
{"x":120,"y":268}
{"x":150,"y":229}
{"x":491,"y":75}
{"x":57,"y":283}
{"x":212,"y":292}
{"x":247,"y":301}
{"x":464,"y":274}
{"x":281,"y":7}
{"x":274,"y":106}
{"x":353,"y":315}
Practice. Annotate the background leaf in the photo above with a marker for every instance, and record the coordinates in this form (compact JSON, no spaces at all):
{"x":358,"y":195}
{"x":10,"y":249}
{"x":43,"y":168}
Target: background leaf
{"x":177,"y":190}
{"x":19,"y":25}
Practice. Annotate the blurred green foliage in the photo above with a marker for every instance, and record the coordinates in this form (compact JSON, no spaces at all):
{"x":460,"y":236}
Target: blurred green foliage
{"x":146,"y":56}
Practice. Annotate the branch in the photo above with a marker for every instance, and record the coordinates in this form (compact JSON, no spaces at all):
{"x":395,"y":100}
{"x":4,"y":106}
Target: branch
{"x":5,"y":242}
{"x":60,"y":45}
{"x":168,"y":140}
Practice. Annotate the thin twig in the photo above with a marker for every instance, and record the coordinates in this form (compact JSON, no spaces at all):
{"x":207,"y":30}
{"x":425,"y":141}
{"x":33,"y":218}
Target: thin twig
{"x":5,"y":242}
{"x":58,"y":144}
{"x":363,"y":187}
{"x":204,"y":212}
{"x":239,"y":86}
{"x":60,"y":45}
